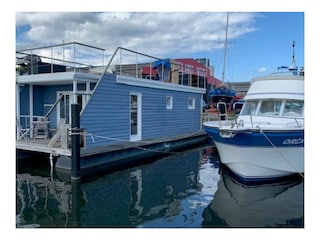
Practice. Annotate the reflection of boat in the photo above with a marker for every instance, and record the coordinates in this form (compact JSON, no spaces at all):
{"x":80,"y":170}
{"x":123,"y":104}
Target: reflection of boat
{"x":271,"y":205}
{"x":266,"y":141}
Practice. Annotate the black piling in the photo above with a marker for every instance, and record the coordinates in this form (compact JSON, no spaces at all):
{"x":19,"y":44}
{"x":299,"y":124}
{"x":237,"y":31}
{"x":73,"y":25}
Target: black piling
{"x":75,"y":142}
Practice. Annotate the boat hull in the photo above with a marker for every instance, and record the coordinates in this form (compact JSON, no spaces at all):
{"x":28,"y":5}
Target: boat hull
{"x":258,"y":156}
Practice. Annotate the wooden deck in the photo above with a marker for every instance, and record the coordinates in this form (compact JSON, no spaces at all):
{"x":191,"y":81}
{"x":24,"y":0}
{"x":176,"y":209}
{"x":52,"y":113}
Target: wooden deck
{"x":42,"y":145}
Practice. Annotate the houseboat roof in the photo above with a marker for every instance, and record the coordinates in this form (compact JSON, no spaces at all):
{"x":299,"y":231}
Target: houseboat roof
{"x":60,"y":78}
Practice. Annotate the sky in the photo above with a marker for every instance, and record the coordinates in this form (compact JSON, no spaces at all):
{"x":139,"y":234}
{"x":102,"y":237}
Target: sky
{"x":257,"y":42}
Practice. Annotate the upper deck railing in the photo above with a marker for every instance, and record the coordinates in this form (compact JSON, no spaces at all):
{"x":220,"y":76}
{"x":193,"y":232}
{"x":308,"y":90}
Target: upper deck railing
{"x":63,"y":57}
{"x":80,"y":57}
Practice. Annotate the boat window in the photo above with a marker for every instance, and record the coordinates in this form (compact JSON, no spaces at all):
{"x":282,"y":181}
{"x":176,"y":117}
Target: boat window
{"x":293,"y":108}
{"x":270,"y":107}
{"x":249,"y":107}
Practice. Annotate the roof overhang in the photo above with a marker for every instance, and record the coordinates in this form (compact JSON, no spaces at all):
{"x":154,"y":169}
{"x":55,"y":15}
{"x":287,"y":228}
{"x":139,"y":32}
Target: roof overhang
{"x":61,"y":78}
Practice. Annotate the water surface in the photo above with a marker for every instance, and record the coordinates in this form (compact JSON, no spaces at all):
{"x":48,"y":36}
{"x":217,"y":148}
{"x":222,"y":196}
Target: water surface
{"x":183,"y":190}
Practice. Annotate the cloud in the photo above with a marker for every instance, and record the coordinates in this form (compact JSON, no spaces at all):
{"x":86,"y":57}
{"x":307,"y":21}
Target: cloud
{"x":162,"y":34}
{"x":262,"y":69}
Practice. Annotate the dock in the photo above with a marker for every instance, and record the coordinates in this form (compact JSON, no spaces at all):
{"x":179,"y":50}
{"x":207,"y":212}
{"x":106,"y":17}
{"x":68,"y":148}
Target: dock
{"x":112,"y":156}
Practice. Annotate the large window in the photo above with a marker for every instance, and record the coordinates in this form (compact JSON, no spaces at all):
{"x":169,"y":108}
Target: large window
{"x":293,"y":108}
{"x":270,"y":107}
{"x":274,"y":107}
{"x":250,"y":107}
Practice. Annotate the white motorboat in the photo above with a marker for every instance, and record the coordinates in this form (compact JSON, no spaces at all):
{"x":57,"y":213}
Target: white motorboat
{"x":266,"y":140}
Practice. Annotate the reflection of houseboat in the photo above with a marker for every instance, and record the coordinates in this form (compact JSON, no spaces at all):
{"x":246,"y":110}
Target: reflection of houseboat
{"x":122,"y":114}
{"x":150,"y":195}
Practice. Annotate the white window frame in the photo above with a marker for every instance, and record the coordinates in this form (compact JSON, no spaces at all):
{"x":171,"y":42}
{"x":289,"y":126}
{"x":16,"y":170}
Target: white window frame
{"x":193,"y":103}
{"x":169,"y":102}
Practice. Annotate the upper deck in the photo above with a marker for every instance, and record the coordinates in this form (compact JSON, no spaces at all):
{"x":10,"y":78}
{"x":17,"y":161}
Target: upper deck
{"x":277,"y":86}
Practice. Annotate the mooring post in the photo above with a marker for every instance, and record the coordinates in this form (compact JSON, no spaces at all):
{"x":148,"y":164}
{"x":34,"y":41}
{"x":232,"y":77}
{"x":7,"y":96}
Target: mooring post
{"x":75,"y":142}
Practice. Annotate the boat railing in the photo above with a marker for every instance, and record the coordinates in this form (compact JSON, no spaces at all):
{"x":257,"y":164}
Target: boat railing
{"x":65,"y":57}
{"x":140,"y":65}
{"x":222,"y":112}
{"x":79,"y":57}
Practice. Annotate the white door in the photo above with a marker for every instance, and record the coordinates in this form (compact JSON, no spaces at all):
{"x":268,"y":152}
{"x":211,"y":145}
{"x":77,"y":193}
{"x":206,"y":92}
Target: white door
{"x":135,"y":116}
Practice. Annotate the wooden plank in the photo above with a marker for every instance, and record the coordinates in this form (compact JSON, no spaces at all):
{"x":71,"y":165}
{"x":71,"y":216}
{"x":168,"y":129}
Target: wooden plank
{"x":37,"y":147}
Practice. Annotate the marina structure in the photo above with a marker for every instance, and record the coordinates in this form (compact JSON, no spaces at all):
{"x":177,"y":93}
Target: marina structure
{"x":123,"y":113}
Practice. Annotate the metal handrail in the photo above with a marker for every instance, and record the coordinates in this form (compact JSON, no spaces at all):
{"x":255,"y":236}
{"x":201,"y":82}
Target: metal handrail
{"x":62,"y":44}
{"x":74,"y":64}
{"x":54,"y":106}
{"x":118,"y":49}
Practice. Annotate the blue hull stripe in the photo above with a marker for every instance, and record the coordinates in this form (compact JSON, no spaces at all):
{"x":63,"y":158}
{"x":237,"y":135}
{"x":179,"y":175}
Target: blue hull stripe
{"x":257,"y":139}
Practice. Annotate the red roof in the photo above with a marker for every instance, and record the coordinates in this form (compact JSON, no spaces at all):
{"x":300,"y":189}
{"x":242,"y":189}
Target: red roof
{"x":213,"y":81}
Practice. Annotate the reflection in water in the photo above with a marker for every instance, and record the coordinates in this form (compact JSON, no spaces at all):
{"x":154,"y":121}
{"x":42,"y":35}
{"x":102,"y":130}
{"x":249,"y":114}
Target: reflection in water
{"x":135,"y":209}
{"x":183,"y":190}
{"x":41,"y":202}
{"x":171,"y":192}
{"x":272,"y":205}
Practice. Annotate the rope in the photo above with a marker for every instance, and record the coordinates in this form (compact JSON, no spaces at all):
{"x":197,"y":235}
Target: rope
{"x":137,"y":147}
{"x":92,"y":136}
{"x":284,"y":157}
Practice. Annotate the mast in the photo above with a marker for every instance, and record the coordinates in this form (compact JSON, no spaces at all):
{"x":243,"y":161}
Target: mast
{"x":225,"y":48}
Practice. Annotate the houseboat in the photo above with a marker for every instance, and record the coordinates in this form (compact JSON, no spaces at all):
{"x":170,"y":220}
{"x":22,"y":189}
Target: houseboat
{"x":124,"y":115}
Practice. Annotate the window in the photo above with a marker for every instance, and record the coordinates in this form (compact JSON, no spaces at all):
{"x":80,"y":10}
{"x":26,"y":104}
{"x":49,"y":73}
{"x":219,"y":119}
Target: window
{"x":270,"y":107}
{"x":169,"y":102}
{"x":249,"y":107}
{"x":191,"y":103}
{"x":293,"y":108}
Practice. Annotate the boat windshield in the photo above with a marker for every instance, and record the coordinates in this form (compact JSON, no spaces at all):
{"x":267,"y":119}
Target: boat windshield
{"x":293,"y":108}
{"x":273,"y":107}
{"x":250,"y":107}
{"x":270,"y":107}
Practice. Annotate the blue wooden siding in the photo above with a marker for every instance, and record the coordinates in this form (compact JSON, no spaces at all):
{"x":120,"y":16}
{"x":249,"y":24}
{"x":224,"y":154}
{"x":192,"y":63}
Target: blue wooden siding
{"x":106,"y":116}
{"x":157,"y":121}
{"x":24,"y":100}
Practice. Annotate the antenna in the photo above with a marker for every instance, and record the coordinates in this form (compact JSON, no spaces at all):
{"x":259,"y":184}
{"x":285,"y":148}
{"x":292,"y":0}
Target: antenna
{"x":293,"y":57}
{"x":293,"y":66}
